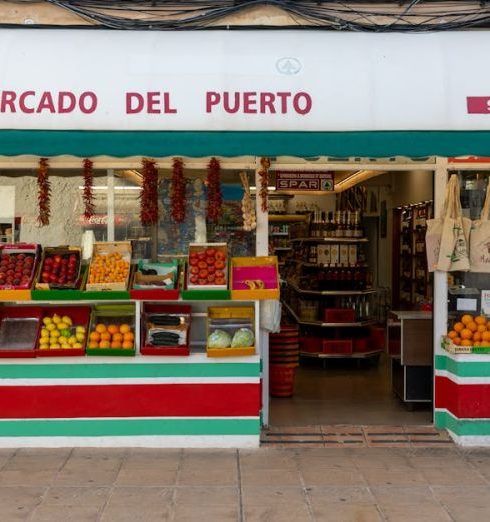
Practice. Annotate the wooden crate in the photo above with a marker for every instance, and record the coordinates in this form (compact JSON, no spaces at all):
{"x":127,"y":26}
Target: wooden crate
{"x":104,"y":249}
{"x":61,"y":251}
{"x":198,"y":260}
{"x":254,"y":277}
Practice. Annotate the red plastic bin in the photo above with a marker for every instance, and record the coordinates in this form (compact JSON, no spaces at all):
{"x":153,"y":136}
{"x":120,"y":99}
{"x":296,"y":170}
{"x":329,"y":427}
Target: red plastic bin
{"x":310,"y":344}
{"x":339,"y":315}
{"x":17,"y":312}
{"x":337,"y":346}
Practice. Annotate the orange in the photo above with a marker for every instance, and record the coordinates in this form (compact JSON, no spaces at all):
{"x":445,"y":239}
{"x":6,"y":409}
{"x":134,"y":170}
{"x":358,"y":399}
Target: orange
{"x":100,"y":328}
{"x":479,"y":319}
{"x":452,"y":334}
{"x":127,"y":344}
{"x":93,"y":344}
{"x":105,"y":336}
{"x":457,"y":341}
{"x":113,"y":329}
{"x":129,"y":337}
{"x":117,"y":338}
{"x":477,"y":343}
{"x":467,"y":318}
{"x":116,"y":344}
{"x":466,"y":334}
{"x":472,"y":326}
{"x":458,"y":326}
{"x":482,"y":328}
{"x":124,"y":328}
{"x":95,"y":336}
{"x":104,"y":344}
{"x":466,"y":342}
{"x":485,"y":336}
{"x":477,"y":336}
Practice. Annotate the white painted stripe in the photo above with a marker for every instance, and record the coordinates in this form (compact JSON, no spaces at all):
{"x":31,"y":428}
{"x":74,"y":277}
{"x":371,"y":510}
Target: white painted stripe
{"x":235,"y":417}
{"x":465,"y":357}
{"x":129,"y":380}
{"x":154,"y":441}
{"x":470,"y":440}
{"x":462,"y":380}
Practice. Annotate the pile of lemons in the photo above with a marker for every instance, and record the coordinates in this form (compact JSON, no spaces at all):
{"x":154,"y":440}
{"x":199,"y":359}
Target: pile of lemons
{"x":58,"y":333}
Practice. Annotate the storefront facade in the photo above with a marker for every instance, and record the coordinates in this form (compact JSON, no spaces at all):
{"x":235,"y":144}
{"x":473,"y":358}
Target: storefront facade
{"x":250,"y":94}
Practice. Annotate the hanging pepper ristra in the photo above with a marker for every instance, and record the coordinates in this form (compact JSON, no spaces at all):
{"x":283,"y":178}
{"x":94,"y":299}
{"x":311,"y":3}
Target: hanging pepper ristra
{"x":265,"y":163}
{"x":215,"y":198}
{"x":44,"y":193}
{"x":88,"y":181}
{"x":177,"y":192}
{"x":149,"y":193}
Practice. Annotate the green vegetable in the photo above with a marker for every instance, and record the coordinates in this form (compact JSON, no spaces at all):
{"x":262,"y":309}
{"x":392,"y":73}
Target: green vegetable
{"x":219,"y":339}
{"x":243,"y":337}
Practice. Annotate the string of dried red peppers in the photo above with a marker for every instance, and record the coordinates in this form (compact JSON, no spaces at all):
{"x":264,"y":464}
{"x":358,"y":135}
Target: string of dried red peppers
{"x":177,"y":192}
{"x":149,"y":193}
{"x":88,"y":182}
{"x":44,"y":192}
{"x":265,"y":163}
{"x":215,"y":197}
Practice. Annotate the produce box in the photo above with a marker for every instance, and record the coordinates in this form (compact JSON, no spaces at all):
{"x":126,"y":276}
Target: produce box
{"x":165,"y":329}
{"x":110,"y":266}
{"x":208,"y":266}
{"x":156,"y":281}
{"x":254,"y":277}
{"x":230,"y":331}
{"x":64,"y":331}
{"x":112,"y":330}
{"x":18,"y":265}
{"x":60,"y":269}
{"x":19,"y":330}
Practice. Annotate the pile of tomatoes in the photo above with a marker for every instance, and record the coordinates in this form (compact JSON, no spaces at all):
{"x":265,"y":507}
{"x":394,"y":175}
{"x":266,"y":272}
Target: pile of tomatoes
{"x":207,"y":267}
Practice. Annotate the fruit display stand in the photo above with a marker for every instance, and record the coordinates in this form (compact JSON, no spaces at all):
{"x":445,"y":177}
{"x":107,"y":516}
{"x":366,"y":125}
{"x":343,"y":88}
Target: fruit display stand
{"x":168,"y":321}
{"x":63,"y":332}
{"x":19,"y":330}
{"x":18,"y":266}
{"x":147,"y":401}
{"x":108,"y":321}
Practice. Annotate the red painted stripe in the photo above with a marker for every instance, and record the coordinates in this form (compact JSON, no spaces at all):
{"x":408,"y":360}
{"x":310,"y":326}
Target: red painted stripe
{"x":465,"y":401}
{"x":130,"y":400}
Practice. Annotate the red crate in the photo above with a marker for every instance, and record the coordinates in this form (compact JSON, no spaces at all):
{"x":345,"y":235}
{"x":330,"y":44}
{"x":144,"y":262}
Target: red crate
{"x":310,"y":344}
{"x":17,"y":312}
{"x":339,"y":315}
{"x":361,"y":345}
{"x":337,"y":346}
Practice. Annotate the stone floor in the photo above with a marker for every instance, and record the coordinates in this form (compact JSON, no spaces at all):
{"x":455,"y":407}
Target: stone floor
{"x":268,"y":484}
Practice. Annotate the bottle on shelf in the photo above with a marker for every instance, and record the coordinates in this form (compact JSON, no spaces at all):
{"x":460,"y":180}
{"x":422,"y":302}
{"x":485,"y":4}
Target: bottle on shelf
{"x":349,"y":226}
{"x":357,"y":231}
{"x":338,"y":224}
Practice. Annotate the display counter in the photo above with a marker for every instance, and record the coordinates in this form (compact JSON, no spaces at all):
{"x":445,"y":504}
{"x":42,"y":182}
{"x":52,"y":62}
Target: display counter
{"x":153,"y":401}
{"x":411,"y":354}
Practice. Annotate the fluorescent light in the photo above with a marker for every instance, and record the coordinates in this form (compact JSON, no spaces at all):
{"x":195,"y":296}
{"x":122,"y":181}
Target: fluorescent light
{"x":253,"y":187}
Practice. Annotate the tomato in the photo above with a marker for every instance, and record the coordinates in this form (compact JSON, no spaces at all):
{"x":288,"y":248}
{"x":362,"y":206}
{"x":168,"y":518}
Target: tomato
{"x":194,"y":280}
{"x":203,"y":281}
{"x":219,"y":265}
{"x":193,"y":261}
{"x":219,"y":273}
{"x":210,"y":278}
{"x":211,"y":269}
{"x":210,"y":261}
{"x":201,"y":255}
{"x":219,"y":281}
{"x":194,"y":270}
{"x":202,"y":265}
{"x":220,"y":255}
{"x":210,"y":252}
{"x":203,"y":273}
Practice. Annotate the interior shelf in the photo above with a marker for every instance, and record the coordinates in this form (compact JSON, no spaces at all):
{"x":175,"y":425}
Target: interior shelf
{"x":331,"y":292}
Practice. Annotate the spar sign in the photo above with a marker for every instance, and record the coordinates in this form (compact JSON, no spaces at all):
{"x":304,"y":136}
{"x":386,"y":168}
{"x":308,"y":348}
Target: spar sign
{"x":304,"y":180}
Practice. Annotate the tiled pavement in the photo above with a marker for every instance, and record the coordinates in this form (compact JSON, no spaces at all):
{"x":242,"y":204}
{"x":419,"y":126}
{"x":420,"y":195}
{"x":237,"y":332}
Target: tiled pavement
{"x":354,"y":484}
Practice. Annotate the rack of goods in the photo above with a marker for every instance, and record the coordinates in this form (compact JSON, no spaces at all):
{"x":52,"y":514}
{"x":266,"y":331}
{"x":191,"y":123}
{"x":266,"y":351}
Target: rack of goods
{"x":329,"y":290}
{"x":411,"y":281}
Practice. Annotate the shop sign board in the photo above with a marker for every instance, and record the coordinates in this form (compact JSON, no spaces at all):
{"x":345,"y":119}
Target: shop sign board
{"x":302,"y":81}
{"x":304,"y":181}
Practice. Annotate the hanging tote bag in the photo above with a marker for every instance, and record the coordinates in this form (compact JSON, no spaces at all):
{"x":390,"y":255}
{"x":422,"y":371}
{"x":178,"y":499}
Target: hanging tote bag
{"x":434,"y":230}
{"x":454,"y":254}
{"x":480,"y":239}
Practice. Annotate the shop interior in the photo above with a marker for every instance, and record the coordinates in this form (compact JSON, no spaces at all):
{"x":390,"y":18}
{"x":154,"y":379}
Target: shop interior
{"x":346,"y":371}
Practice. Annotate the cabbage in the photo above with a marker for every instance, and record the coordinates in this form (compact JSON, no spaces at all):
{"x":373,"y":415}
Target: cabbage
{"x":243,"y":337}
{"x":219,"y":339}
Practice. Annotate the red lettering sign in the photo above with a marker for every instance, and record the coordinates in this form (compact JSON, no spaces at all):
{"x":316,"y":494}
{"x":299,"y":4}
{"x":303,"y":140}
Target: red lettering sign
{"x":304,"y":180}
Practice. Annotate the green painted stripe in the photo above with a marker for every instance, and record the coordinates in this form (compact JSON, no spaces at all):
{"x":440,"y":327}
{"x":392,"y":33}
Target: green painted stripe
{"x":463,"y":368}
{"x":121,"y":371}
{"x":78,"y":295}
{"x":443,"y":420}
{"x":128,"y":427}
{"x":226,"y":143}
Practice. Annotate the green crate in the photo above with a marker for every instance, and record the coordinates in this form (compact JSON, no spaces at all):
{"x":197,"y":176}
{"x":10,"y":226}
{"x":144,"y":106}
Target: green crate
{"x":206,"y":295}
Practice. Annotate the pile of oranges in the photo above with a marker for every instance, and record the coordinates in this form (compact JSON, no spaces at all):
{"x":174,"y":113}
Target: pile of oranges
{"x":111,"y":336}
{"x":470,"y":331}
{"x":110,"y":268}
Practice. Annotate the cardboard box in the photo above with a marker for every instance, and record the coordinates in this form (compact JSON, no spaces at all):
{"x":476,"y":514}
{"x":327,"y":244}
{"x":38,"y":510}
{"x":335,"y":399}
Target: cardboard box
{"x":104,"y":249}
{"x":64,"y":252}
{"x":254,"y":277}
{"x":230,"y":319}
{"x":9,"y":255}
{"x":207,"y":266}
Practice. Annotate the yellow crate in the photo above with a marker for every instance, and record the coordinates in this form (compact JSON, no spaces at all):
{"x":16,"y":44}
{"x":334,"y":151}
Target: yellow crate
{"x":106,"y":248}
{"x":15,"y":295}
{"x":253,"y":270}
{"x":231,"y":312}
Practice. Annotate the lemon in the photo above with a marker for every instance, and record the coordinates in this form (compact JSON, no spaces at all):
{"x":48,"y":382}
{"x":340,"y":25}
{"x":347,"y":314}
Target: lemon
{"x":47,"y":320}
{"x":55,"y":346}
{"x":50,"y":327}
{"x":44,"y":332}
{"x":62,"y":340}
{"x":72,"y":340}
{"x":62,"y":326}
{"x":56,"y":319}
{"x":80,"y":336}
{"x":80,"y":329}
{"x":55,"y":333}
{"x":44,"y":346}
{"x":67,"y":320}
{"x":65,"y":346}
{"x":78,"y":345}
